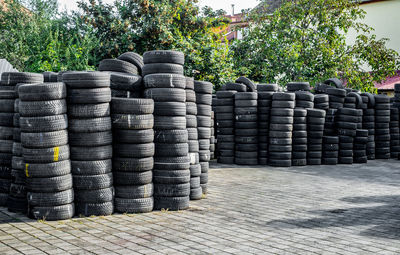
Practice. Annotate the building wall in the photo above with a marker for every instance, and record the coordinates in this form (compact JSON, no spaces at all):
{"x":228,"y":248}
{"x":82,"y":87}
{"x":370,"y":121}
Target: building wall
{"x":383,"y":16}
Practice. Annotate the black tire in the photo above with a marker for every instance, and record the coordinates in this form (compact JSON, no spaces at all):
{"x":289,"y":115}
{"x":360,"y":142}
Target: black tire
{"x":236,"y":87}
{"x":154,"y":68}
{"x":133,"y":164}
{"x":13,"y":78}
{"x":251,"y":87}
{"x":134,"y":205}
{"x":191,"y":108}
{"x":171,"y":203}
{"x":6,"y":133}
{"x":164,"y":80}
{"x":172,"y":163}
{"x":203,"y":87}
{"x":132,"y":136}
{"x":164,"y":56}
{"x":168,"y":122}
{"x":117,"y":65}
{"x":171,"y":136}
{"x":225,"y":94}
{"x":128,"y":121}
{"x":61,"y":212}
{"x":95,"y":167}
{"x":137,"y":106}
{"x":42,"y":108}
{"x":51,"y":199}
{"x":170,"y":109}
{"x":42,"y":92}
{"x":44,"y":139}
{"x":94,"y":209}
{"x":79,"y":79}
{"x":267,"y":87}
{"x":90,"y":139}
{"x":172,"y":149}
{"x":279,"y":162}
{"x":133,"y":58}
{"x":94,"y":153}
{"x":50,"y":184}
{"x":88,"y":110}
{"x":60,"y":168}
{"x":132,"y":178}
{"x":90,"y":125}
{"x":172,"y":190}
{"x":89,"y":96}
{"x":7,"y":105}
{"x":171,"y":176}
{"x":93,"y":182}
{"x":46,"y":155}
{"x":191,"y":121}
{"x":134,"y":150}
{"x":134,"y":192}
{"x":44,"y":124}
{"x":298,"y":86}
{"x":95,"y":195}
{"x":166,"y":94}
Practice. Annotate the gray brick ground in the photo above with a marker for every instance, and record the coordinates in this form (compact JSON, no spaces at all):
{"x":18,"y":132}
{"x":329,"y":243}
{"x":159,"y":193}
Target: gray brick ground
{"x":258,"y":210}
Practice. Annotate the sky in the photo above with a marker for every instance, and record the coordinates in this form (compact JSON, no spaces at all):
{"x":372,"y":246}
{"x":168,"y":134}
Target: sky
{"x":215,"y":4}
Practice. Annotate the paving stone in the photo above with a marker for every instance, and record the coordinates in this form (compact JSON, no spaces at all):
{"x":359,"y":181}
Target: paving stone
{"x":344,"y":209}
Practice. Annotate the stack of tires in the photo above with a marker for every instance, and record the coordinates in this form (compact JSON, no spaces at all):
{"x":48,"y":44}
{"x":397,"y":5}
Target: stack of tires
{"x":304,"y":99}
{"x":165,"y":84}
{"x":280,"y":130}
{"x":246,"y":128}
{"x":330,"y":150}
{"x":7,"y":99}
{"x":360,"y":146}
{"x":347,"y":119}
{"x":368,"y":123}
{"x":50,"y":76}
{"x":132,"y":164}
{"x":396,"y":99}
{"x":203,"y":91}
{"x":382,"y":127}
{"x":9,"y":136}
{"x":191,"y":123}
{"x":315,"y":129}
{"x":264,"y":105}
{"x":336,"y":97}
{"x":225,"y":116}
{"x":44,"y":139}
{"x":125,"y":76}
{"x":126,"y":85}
{"x":17,"y":201}
{"x":299,"y":140}
{"x":212,"y":137}
{"x":349,"y":102}
{"x":321,"y":101}
{"x":299,"y":86}
{"x":394,"y":133}
{"x":90,"y":139}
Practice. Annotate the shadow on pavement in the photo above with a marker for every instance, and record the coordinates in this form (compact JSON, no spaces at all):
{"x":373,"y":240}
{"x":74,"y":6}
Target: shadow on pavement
{"x":383,"y":217}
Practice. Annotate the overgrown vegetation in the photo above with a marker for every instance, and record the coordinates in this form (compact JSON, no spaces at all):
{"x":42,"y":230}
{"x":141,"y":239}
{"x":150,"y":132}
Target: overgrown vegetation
{"x":305,"y":40}
{"x":301,"y":40}
{"x":43,"y":39}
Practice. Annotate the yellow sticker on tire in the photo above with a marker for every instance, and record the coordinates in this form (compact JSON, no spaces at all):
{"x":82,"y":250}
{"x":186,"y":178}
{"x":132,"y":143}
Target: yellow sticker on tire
{"x":56,"y":153}
{"x":26,"y":170}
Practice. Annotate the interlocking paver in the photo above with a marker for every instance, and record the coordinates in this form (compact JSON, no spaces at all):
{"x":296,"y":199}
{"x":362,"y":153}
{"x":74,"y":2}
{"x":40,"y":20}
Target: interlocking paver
{"x":346,"y":209}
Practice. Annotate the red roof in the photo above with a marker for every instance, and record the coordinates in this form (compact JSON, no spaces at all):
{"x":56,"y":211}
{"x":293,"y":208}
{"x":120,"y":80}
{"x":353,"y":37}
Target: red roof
{"x":389,"y":83}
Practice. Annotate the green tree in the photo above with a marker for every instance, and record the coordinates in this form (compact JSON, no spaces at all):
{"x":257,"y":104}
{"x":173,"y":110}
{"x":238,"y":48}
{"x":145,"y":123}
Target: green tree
{"x":35,"y":37}
{"x":306,"y":40}
{"x":143,"y":25}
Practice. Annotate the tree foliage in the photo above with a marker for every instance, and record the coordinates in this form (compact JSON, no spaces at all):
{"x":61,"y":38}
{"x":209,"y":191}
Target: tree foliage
{"x":35,"y":37}
{"x":40,"y":38}
{"x":306,"y":40}
{"x":143,"y":25}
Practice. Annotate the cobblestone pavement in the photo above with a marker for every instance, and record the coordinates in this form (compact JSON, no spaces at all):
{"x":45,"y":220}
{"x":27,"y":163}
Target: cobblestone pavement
{"x":261,"y":210}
